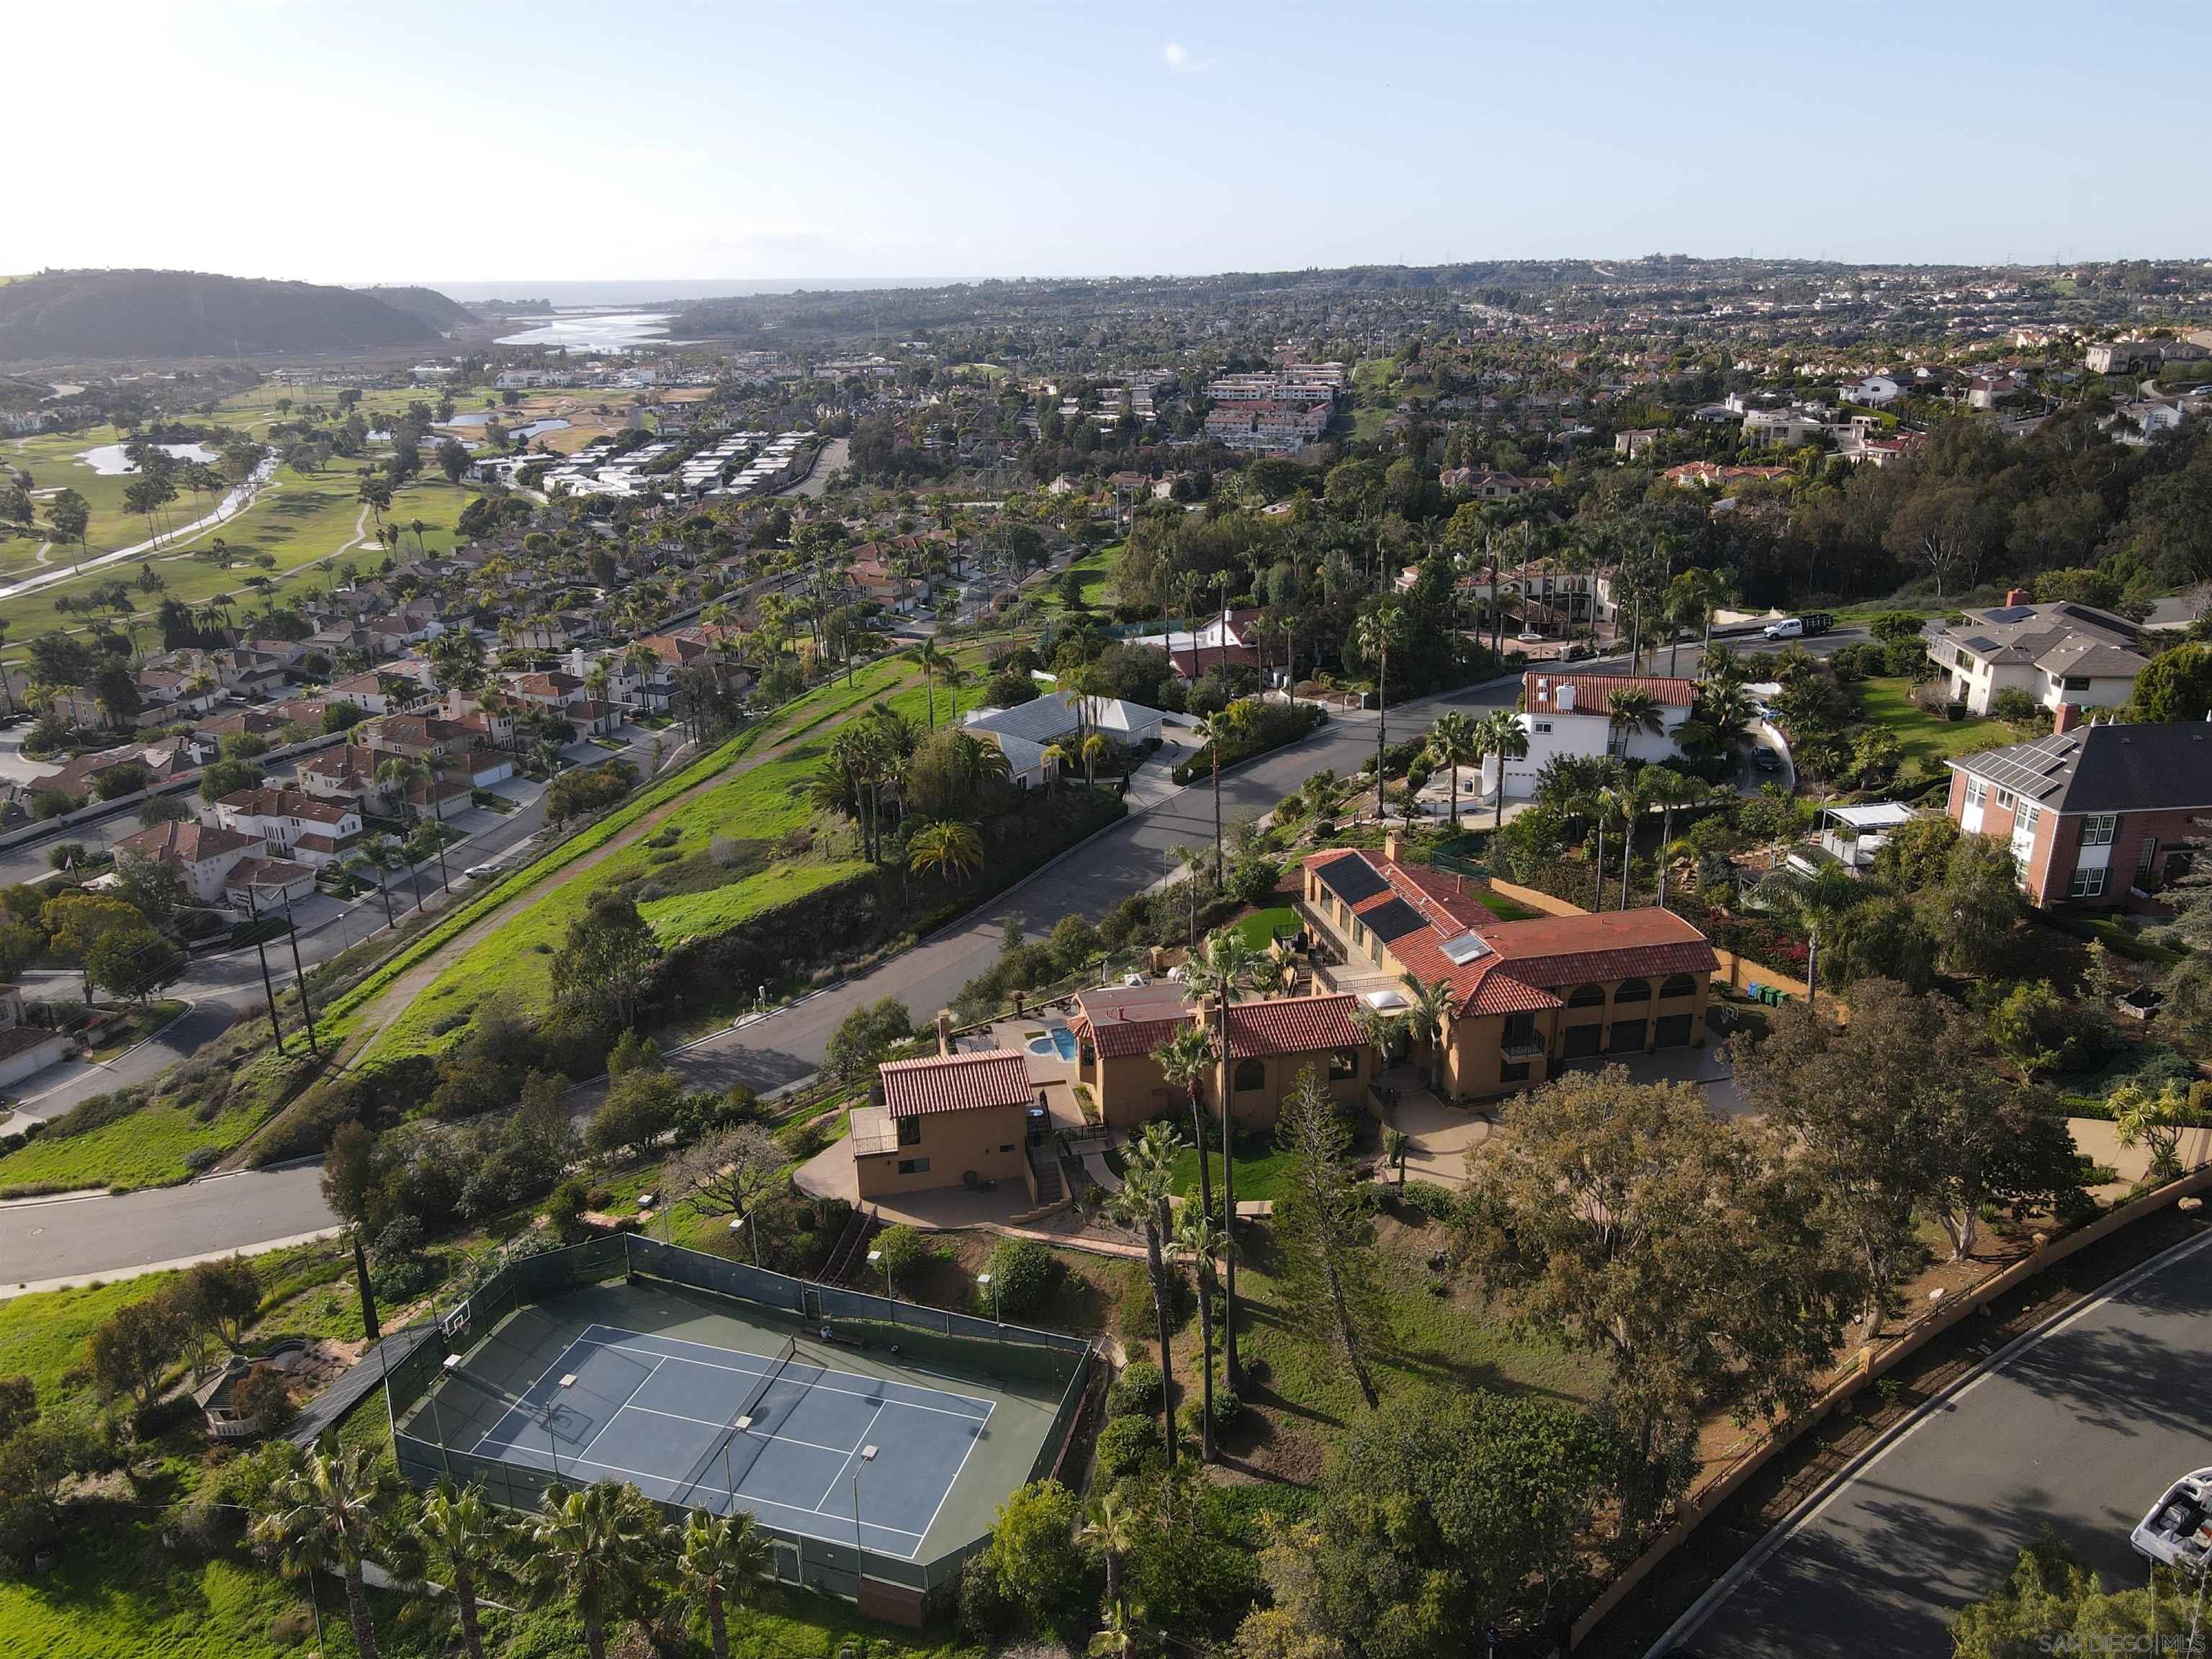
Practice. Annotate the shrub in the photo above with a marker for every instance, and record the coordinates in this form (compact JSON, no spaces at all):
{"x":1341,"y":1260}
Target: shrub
{"x":904,"y":1250}
{"x":1125,"y":1445}
{"x":1426,"y":1197}
{"x":1023,"y":1275}
{"x":1139,"y":1389}
{"x":1226,"y":1408}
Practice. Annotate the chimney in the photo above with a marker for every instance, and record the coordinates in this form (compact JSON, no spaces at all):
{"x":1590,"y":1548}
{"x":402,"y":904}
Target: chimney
{"x":944,"y":1031}
{"x":2015,"y":595}
{"x":2068,"y":717}
{"x":1391,"y":844}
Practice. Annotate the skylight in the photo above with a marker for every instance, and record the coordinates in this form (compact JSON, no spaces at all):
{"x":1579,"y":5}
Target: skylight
{"x":1464,"y":948}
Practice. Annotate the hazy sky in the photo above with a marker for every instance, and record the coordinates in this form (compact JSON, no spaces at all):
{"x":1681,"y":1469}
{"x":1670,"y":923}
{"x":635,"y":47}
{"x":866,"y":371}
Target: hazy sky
{"x":469,"y":142}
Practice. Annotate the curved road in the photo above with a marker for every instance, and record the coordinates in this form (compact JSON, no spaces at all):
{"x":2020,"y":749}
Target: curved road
{"x":2077,"y":1429}
{"x":97,"y":1235}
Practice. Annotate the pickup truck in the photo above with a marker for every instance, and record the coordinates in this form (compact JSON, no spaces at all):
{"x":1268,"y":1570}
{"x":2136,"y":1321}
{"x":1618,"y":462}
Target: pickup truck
{"x":1799,"y":628}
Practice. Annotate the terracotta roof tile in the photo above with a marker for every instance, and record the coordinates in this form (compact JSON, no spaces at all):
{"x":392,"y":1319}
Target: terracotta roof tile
{"x":1291,"y":1025}
{"x":955,"y":1082}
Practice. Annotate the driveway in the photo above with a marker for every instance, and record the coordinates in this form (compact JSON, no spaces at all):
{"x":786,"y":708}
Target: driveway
{"x":2076,"y":1429}
{"x":50,"y":1092}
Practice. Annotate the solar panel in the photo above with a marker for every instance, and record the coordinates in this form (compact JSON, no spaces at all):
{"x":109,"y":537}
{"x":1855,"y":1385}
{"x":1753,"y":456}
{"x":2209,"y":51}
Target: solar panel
{"x":1392,"y":920}
{"x":1463,"y":948}
{"x":1353,"y":879}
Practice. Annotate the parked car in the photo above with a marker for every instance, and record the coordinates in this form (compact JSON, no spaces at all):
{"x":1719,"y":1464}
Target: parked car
{"x":1801,"y":627}
{"x":1765,"y":759}
{"x":2179,"y":1529}
{"x":1527,"y":636}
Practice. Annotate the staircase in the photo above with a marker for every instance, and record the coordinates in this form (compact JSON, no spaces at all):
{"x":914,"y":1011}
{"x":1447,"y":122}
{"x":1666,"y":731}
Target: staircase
{"x":852,"y":1248}
{"x":1045,"y":1165}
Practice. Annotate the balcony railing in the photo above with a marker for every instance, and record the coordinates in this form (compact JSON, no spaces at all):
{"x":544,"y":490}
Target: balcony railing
{"x":1522,"y":1049}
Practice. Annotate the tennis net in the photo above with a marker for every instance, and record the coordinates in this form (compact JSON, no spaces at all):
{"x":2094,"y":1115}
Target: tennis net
{"x":730,"y":1431}
{"x":500,"y":1402}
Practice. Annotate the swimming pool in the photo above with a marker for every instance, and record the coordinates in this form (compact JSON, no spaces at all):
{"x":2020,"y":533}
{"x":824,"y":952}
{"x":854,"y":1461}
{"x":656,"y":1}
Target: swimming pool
{"x":1058,"y":1041}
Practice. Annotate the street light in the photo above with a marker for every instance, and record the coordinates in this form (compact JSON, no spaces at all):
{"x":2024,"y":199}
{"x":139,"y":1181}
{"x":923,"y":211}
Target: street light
{"x":875,"y":1256}
{"x":987,"y":1280}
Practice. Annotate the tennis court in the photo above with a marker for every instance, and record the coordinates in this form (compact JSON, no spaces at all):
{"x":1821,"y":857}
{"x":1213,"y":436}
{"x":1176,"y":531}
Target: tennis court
{"x":794,"y":1442}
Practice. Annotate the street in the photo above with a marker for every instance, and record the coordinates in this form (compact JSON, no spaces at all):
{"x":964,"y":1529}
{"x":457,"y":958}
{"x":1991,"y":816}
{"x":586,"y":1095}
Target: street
{"x":2077,"y":1432}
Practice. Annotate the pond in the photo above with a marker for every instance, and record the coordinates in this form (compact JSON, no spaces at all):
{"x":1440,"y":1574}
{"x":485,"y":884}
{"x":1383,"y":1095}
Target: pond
{"x":109,"y":460}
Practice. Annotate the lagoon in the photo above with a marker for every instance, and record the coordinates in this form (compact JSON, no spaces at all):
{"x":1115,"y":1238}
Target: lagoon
{"x":596,"y":331}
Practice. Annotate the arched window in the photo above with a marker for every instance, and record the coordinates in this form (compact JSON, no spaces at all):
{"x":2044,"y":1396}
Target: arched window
{"x":1586,"y":996}
{"x":1251,"y":1074}
{"x":1682,"y":985}
{"x":1633,"y":990}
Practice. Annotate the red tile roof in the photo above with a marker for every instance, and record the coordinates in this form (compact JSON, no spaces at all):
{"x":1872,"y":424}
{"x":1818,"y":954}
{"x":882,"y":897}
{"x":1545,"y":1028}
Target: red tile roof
{"x":185,"y":839}
{"x":1539,"y":690}
{"x":1521,"y":963}
{"x":955,"y":1082}
{"x":1293,"y":1025}
{"x":1129,"y":1019}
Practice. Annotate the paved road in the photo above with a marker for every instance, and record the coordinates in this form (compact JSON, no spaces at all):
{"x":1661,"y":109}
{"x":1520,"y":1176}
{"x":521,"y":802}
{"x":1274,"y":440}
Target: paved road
{"x":60,"y":1087}
{"x":1128,"y":858}
{"x":2079,"y":1432}
{"x":64,"y":1238}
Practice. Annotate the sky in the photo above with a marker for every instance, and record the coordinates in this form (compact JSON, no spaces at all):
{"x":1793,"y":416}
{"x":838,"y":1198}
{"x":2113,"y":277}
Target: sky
{"x":478,"y":143}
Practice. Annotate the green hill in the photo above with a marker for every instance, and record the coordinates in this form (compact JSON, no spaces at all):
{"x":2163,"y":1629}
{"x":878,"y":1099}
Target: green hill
{"x":184,"y":313}
{"x":429,"y":305}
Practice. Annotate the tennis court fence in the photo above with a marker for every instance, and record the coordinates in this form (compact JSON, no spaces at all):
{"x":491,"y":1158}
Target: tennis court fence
{"x":930,"y":1336}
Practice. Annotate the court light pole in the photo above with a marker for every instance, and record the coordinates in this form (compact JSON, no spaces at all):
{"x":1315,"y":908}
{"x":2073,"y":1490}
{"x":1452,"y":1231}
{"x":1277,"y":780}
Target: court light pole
{"x":874,"y":1256}
{"x":990,"y":1281}
{"x":746,"y":1220}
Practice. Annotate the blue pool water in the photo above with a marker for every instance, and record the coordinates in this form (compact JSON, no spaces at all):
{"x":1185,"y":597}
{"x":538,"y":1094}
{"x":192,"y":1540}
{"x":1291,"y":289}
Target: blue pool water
{"x":1059,"y":1040}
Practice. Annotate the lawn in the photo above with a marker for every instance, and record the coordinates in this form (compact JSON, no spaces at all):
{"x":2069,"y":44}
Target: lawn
{"x":1095,"y":571}
{"x":146,"y":1149}
{"x":1888,"y":703}
{"x":1259,"y":1174}
{"x":1259,"y":929}
{"x":1503,"y":909}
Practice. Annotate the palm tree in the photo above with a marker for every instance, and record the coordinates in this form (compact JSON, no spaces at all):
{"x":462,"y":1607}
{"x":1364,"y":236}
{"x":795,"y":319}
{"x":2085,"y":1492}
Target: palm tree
{"x":1629,"y":711}
{"x":460,"y":1542}
{"x":1109,"y":1532}
{"x":931,"y":660}
{"x":1691,"y":598}
{"x":1228,"y":965}
{"x":1375,"y":635}
{"x":592,"y":1552}
{"x":369,"y":854}
{"x":1669,"y":791}
{"x":1502,"y":734}
{"x":1193,"y":862}
{"x":1233,"y":719}
{"x":1184,"y":1059}
{"x":1095,"y":749}
{"x":1452,"y":745}
{"x":1147,"y":1178}
{"x":720,"y":1564}
{"x":1820,"y":904}
{"x":1199,"y":1236}
{"x":1431,"y":1015}
{"x":329,"y":1511}
{"x":1115,"y":1637}
{"x":953,"y":851}
{"x":1608,"y":806}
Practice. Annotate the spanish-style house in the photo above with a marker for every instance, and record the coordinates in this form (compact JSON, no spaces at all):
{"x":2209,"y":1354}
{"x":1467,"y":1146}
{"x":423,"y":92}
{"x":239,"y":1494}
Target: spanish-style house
{"x":1570,"y":713}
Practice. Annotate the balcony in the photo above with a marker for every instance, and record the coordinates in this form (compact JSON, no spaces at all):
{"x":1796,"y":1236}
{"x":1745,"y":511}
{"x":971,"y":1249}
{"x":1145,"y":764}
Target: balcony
{"x":1522,"y":1049}
{"x":874,"y":1134}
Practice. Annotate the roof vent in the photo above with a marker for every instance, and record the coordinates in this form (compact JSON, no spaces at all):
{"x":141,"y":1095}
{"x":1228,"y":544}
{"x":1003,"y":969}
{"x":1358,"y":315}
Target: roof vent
{"x":1464,"y":948}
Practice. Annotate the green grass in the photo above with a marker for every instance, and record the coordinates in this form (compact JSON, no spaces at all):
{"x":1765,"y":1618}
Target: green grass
{"x":1259,"y":1176}
{"x":42,"y":1335}
{"x":146,"y":1149}
{"x":1888,"y":703}
{"x":751,"y":813}
{"x":1503,"y":909}
{"x":1094,"y":571}
{"x":1259,"y":929}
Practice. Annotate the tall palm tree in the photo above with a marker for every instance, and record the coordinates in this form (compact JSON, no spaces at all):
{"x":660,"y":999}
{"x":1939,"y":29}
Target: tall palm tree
{"x":720,"y":1564}
{"x":592,"y":1552}
{"x":1671,"y":791}
{"x":1193,"y":862}
{"x":461,"y":1542}
{"x":1691,"y":598}
{"x":1227,"y":966}
{"x":1430,"y":1013}
{"x":1147,"y":1178}
{"x":1184,"y":1059}
{"x":1199,"y":1236}
{"x":1609,"y":806}
{"x":1375,"y":636}
{"x":1502,"y":734}
{"x":1452,"y":745}
{"x":931,"y":660}
{"x":328,"y":1512}
{"x":1109,"y":1532}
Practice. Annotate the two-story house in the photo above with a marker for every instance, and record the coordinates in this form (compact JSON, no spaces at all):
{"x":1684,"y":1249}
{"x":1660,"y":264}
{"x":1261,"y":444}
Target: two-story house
{"x":293,"y":824}
{"x":1567,"y":713}
{"x":946,"y":1120}
{"x":1273,"y":1041}
{"x":2060,"y":653}
{"x":2091,"y":812}
{"x":1526,"y":996}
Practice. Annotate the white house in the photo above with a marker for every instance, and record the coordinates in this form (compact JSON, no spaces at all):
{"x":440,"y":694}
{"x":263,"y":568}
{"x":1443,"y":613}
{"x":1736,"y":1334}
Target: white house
{"x":203,"y":854}
{"x":1572,"y":714}
{"x":1061,"y":714}
{"x":1871,"y":391}
{"x":25,"y":1047}
{"x":2062,"y":653}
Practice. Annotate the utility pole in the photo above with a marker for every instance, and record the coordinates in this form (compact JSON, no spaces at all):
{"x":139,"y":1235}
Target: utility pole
{"x":269,"y":988}
{"x":299,"y":975}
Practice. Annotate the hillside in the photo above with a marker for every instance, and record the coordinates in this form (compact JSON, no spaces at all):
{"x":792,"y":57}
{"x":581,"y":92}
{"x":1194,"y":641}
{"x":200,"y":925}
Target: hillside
{"x":184,"y":313}
{"x":429,"y":305}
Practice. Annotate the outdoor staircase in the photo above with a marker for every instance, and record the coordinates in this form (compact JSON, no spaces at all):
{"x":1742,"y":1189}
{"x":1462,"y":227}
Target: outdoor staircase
{"x":852,"y":1248}
{"x":1050,"y":1187}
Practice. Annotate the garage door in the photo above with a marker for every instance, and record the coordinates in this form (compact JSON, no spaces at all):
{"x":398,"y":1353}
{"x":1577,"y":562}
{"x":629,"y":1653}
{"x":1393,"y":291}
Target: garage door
{"x":1672,"y":1031}
{"x":1578,"y":1042}
{"x":1626,"y":1037}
